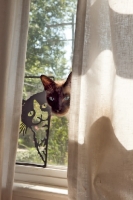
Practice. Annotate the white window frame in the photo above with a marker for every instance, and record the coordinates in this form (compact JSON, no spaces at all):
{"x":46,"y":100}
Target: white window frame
{"x":52,"y":175}
{"x":40,"y":183}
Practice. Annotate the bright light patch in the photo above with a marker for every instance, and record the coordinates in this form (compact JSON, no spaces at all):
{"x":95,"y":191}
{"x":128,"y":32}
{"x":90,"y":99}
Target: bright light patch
{"x":123,"y":111}
{"x":122,"y":6}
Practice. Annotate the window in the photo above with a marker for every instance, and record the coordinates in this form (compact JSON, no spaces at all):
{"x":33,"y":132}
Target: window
{"x":49,"y":52}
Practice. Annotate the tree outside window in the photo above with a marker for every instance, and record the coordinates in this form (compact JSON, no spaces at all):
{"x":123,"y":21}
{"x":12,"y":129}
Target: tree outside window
{"x":49,"y":51}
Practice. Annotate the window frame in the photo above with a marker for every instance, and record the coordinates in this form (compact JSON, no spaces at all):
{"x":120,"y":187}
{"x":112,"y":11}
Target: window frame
{"x":38,"y":183}
{"x":51,"y":175}
{"x":54,"y":176}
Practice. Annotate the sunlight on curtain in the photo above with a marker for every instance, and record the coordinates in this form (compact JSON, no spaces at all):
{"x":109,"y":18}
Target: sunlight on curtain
{"x":101,"y":117}
{"x":13,"y":36}
{"x":122,"y":6}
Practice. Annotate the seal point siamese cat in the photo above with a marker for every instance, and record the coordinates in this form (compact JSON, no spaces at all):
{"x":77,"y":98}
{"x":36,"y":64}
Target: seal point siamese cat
{"x":58,"y":94}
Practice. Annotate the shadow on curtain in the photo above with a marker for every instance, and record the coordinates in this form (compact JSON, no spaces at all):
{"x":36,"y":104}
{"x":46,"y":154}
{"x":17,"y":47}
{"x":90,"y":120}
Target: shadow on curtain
{"x":101,"y":118}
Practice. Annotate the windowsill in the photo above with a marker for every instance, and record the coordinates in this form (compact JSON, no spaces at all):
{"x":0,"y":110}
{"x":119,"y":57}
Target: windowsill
{"x":33,"y":183}
{"x":32,"y":191}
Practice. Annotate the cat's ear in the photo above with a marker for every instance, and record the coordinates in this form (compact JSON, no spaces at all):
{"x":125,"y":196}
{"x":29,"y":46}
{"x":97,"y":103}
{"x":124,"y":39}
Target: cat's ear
{"x":48,"y":83}
{"x":68,"y":81}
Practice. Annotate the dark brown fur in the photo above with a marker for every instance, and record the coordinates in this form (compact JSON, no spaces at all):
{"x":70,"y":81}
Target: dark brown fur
{"x":57,"y":94}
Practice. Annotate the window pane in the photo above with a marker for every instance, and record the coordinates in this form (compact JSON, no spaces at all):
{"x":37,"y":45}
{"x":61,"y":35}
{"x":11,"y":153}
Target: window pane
{"x":49,"y":52}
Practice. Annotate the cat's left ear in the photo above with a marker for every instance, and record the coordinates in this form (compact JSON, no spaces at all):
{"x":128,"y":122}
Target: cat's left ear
{"x":68,"y":81}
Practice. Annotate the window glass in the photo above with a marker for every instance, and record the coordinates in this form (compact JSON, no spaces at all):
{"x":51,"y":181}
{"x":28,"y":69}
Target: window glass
{"x":49,"y":52}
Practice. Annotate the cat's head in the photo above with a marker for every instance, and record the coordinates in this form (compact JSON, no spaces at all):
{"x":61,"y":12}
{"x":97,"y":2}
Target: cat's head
{"x":57,"y":94}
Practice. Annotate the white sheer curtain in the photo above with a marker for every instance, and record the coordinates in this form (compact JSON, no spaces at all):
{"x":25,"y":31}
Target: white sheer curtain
{"x":101,"y":120}
{"x":13,"y":36}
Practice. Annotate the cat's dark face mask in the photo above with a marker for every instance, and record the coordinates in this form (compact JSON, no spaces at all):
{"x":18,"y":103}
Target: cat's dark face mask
{"x":59,"y":101}
{"x":57,"y":94}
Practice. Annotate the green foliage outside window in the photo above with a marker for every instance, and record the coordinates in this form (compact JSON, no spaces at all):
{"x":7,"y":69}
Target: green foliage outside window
{"x":46,"y":54}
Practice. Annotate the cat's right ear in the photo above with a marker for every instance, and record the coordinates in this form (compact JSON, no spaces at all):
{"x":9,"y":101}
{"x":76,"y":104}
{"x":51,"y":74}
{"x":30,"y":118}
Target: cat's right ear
{"x":48,"y":83}
{"x":68,"y":81}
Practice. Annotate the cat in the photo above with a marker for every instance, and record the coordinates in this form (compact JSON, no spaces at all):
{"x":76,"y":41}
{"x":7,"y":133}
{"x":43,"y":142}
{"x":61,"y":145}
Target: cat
{"x":57,"y":94}
{"x":35,"y":119}
{"x":30,"y":108}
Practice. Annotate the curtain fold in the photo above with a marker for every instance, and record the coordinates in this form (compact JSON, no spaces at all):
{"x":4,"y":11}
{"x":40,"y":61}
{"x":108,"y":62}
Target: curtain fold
{"x":100,"y":157}
{"x":13,"y":42}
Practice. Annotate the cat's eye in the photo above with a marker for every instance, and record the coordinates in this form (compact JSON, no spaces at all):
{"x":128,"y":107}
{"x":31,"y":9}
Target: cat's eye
{"x":44,"y":105}
{"x":30,"y":113}
{"x":67,"y":97}
{"x":51,"y":98}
